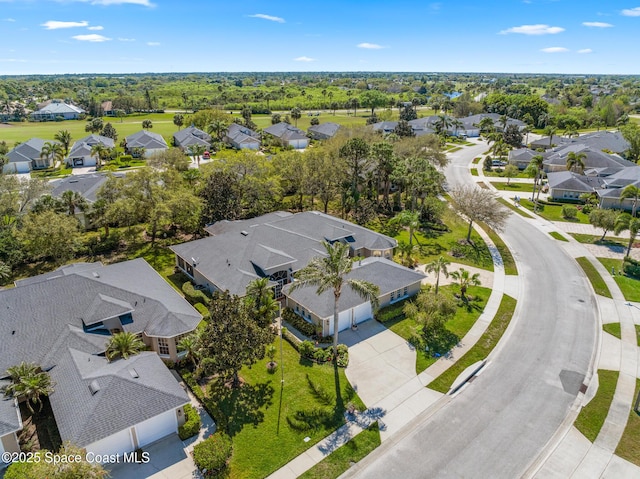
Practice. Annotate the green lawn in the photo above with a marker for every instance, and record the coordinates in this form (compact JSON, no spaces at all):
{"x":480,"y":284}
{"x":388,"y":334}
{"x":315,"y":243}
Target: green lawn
{"x":433,"y":244}
{"x":505,"y":252}
{"x":517,"y":187}
{"x":258,"y":412}
{"x":595,"y":279}
{"x":629,"y":445}
{"x":593,"y":239}
{"x":638,"y":334}
{"x":51,"y":173}
{"x":345,"y":456}
{"x":613,"y":329}
{"x":460,"y":325}
{"x":630,"y":287}
{"x":592,"y":416}
{"x":554,"y":212}
{"x":558,"y":236}
{"x":499,"y":172}
{"x":513,"y":208}
{"x":481,"y":349}
{"x":474,"y":172}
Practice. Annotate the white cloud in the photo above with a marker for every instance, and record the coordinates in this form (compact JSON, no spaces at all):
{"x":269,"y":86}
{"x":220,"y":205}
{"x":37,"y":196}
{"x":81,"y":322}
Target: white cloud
{"x":597,"y":24}
{"x":96,"y":28}
{"x":585,"y":50}
{"x":631,"y":12}
{"x":555,"y":50}
{"x":304,"y":59}
{"x":369,"y":46}
{"x":8,"y":19}
{"x":55,"y":25}
{"x":120,"y":39}
{"x":268,"y":17}
{"x":538,"y":29}
{"x":92,"y":37}
{"x":153,"y":44}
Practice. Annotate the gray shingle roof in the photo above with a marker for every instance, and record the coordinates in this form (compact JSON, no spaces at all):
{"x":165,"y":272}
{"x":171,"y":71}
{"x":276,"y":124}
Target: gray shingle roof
{"x":386,"y":274}
{"x":285,"y":131}
{"x":596,"y":140}
{"x":9,"y":413}
{"x":27,"y":151}
{"x":328,"y":129}
{"x":594,"y":158}
{"x":146,"y":139}
{"x":58,"y":108}
{"x":87,"y":185}
{"x":569,"y":180}
{"x":82,"y":147}
{"x":191,"y":136}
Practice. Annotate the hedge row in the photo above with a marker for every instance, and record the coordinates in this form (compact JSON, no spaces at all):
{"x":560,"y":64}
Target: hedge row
{"x":213,"y":453}
{"x":305,"y":327}
{"x":209,"y":405}
{"x":324,"y":355}
{"x":203,"y":310}
{"x":631,"y":267}
{"x":193,"y":295}
{"x":192,"y":424}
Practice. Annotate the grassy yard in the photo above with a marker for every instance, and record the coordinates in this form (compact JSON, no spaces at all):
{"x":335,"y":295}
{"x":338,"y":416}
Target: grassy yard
{"x":630,"y":287}
{"x":50,"y":173}
{"x":613,"y":329}
{"x":460,"y":325}
{"x":499,"y":173}
{"x":593,"y":239}
{"x":595,"y":279}
{"x":505,"y":252}
{"x":558,"y":236}
{"x":554,"y":212}
{"x":629,"y":445}
{"x":345,"y":456}
{"x":258,"y":413}
{"x":474,"y":172}
{"x":481,"y":349}
{"x":433,"y":244}
{"x":513,"y":208}
{"x":592,"y":416}
{"x":517,"y":187}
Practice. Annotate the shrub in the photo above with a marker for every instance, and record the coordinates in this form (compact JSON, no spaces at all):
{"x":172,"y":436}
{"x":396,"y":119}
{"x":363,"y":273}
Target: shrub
{"x":203,"y":310}
{"x":306,"y":328}
{"x":193,"y":295}
{"x":487,"y":164}
{"x":292,"y":340}
{"x":391,"y":312}
{"x":569,"y":212}
{"x":631,"y":267}
{"x":213,"y":453}
{"x":307,"y":349}
{"x":191,"y":427}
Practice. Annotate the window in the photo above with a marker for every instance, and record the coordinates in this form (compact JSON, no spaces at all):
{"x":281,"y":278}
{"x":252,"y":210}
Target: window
{"x":190,"y":270}
{"x":180,"y":262}
{"x":393,"y":295}
{"x":163,"y":346}
{"x":406,"y":291}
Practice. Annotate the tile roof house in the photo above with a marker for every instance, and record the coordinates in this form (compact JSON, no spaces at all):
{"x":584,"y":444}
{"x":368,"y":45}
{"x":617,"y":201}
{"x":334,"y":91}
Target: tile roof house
{"x":275,"y":246}
{"x":105,"y":407}
{"x":26,"y":157}
{"x":323,"y":131}
{"x":242,"y":138}
{"x":395,"y":282}
{"x":288,"y":135}
{"x":57,"y":109}
{"x":80,"y":153}
{"x":151,"y":142}
{"x":191,"y":136}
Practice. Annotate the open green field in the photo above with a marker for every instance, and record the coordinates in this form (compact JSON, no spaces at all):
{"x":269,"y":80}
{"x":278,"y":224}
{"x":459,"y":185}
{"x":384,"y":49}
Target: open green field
{"x":593,"y":415}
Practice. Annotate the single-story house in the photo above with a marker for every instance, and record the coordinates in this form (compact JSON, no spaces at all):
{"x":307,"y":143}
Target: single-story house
{"x":57,"y":109}
{"x":556,"y":159}
{"x":80,"y":153}
{"x":323,"y":131}
{"x":613,"y":186}
{"x":107,"y":108}
{"x":274,"y":246}
{"x":606,"y":141}
{"x":26,"y":157}
{"x":288,"y":135}
{"x":422,"y":126}
{"x":471,"y":123}
{"x":190,"y":136}
{"x":10,"y":424}
{"x":151,"y":142}
{"x":106,"y":407}
{"x":522,"y":157}
{"x":395,"y":281}
{"x":242,"y":138}
{"x":568,"y":185}
{"x":384,"y":127}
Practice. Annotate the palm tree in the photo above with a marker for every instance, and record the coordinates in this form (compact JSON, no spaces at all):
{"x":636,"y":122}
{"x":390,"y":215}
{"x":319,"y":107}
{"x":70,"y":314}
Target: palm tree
{"x":64,"y":137}
{"x":196,"y":151}
{"x":442,"y":124}
{"x":575,"y":160}
{"x":52,"y":151}
{"x":571,"y":132}
{"x":631,"y":192}
{"x":328,"y":274}
{"x":147,"y":124}
{"x":486,"y":124}
{"x":99,"y":151}
{"x":550,"y":130}
{"x":438,"y":266}
{"x":262,"y":301}
{"x":188,"y":344}
{"x":296,"y":114}
{"x":405,"y":250}
{"x":28,"y":382}
{"x":625,"y":221}
{"x":73,"y":200}
{"x":409,"y":219}
{"x":465,"y":279}
{"x":218,"y":127}
{"x":535,"y":167}
{"x":124,"y":344}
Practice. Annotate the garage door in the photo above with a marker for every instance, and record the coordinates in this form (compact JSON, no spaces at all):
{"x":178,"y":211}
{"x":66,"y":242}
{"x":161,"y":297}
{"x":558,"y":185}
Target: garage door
{"x":156,"y":428}
{"x":362,"y":312}
{"x":119,"y":442}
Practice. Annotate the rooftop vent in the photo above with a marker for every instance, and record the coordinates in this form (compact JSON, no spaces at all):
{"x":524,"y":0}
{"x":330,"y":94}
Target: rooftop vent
{"x":134,"y":373}
{"x":94,"y":387}
{"x":95,"y":274}
{"x":244,"y":233}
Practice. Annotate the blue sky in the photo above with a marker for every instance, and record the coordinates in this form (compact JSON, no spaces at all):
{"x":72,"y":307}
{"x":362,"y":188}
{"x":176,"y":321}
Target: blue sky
{"x":135,"y":36}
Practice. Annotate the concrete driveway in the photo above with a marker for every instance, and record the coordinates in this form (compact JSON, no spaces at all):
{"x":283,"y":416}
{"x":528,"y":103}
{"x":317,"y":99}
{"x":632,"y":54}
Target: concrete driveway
{"x":380,"y":361}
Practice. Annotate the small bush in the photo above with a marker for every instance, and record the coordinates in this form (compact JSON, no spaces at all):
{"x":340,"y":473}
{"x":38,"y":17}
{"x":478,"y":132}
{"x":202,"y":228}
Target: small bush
{"x":213,"y":453}
{"x":191,"y":427}
{"x":307,"y":349}
{"x":306,"y":328}
{"x":203,"y":310}
{"x":193,"y":295}
{"x":569,"y":212}
{"x":631,"y":267}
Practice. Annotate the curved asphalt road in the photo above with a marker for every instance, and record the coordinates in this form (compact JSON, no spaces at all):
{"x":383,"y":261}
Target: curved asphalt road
{"x":502,"y":421}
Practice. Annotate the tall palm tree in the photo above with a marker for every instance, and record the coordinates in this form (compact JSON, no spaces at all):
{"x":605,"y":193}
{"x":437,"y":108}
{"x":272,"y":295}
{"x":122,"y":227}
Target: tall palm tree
{"x":631,"y":192}
{"x":625,"y":221}
{"x":410,"y":219}
{"x":535,"y":167}
{"x":197,"y":151}
{"x":52,"y":151}
{"x":124,"y":344}
{"x":438,"y":266}
{"x":442,"y":124}
{"x":100,"y":152}
{"x":329,"y":273}
{"x":218,"y":127}
{"x":550,"y":130}
{"x":406,"y":250}
{"x":64,"y":137}
{"x":73,"y":200}
{"x":465,"y":280}
{"x":28,"y":382}
{"x":575,"y":160}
